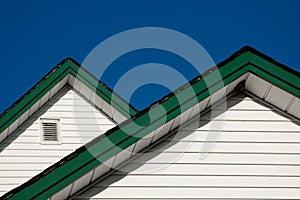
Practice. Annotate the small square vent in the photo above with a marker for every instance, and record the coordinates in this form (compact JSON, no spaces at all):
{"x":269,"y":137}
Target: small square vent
{"x":50,"y":131}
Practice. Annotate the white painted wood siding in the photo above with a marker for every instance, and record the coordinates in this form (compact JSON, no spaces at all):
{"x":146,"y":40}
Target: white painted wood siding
{"x":257,"y":156}
{"x":22,"y":155}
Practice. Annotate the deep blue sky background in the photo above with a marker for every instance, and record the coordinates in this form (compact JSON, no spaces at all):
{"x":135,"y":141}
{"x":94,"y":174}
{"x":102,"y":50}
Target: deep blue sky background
{"x":37,"y":35}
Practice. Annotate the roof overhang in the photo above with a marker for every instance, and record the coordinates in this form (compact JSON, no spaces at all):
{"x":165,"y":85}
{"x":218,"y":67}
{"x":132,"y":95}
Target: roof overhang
{"x":247,"y":69}
{"x":68,"y":72}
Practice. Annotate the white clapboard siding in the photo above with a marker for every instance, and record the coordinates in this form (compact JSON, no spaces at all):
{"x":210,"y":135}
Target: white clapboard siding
{"x":229,"y":147}
{"x":211,"y":169}
{"x":199,"y":181}
{"x":215,"y":158}
{"x":22,"y":155}
{"x":190,"y":193}
{"x":229,"y":136}
{"x":255,"y":154}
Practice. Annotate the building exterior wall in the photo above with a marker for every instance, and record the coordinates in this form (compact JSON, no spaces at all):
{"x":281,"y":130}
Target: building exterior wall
{"x":22,"y":154}
{"x":256,"y":156}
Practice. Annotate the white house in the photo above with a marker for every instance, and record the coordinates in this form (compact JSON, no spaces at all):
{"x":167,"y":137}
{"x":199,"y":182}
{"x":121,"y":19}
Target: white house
{"x":62,"y":112}
{"x":231,"y":133}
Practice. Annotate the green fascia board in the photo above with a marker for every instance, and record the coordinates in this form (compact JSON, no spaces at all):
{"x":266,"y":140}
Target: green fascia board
{"x":287,"y":80}
{"x":66,"y":67}
{"x":86,"y":158}
{"x":102,"y":90}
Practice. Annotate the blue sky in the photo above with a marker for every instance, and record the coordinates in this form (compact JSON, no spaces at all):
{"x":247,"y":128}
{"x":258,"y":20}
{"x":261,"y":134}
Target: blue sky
{"x":36,"y":35}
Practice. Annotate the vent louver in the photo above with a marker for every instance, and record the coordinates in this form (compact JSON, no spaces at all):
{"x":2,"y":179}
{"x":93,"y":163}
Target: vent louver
{"x":50,"y":131}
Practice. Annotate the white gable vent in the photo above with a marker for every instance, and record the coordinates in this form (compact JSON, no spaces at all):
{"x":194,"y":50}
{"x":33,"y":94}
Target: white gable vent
{"x":50,"y":131}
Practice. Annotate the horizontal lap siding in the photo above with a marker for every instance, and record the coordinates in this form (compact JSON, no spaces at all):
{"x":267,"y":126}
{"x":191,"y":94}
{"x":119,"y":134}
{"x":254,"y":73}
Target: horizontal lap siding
{"x":193,"y":193}
{"x":256,"y":156}
{"x":22,"y":155}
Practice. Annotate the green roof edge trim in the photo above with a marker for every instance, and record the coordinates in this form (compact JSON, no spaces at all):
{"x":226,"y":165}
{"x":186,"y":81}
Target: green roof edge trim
{"x":87,"y":157}
{"x":66,"y":67}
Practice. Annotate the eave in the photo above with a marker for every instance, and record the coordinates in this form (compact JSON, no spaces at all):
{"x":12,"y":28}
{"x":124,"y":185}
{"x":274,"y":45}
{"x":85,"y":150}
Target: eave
{"x":71,"y":73}
{"x":120,"y":143}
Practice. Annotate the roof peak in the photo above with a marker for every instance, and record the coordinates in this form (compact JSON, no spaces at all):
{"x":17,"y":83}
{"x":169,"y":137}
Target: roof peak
{"x":80,"y":162}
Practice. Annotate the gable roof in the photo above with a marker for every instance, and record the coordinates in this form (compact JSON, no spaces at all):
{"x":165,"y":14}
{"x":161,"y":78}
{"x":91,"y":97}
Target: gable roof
{"x":234,"y":72}
{"x":67,"y":67}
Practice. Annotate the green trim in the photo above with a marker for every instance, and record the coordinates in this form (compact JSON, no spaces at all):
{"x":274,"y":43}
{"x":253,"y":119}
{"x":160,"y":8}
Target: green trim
{"x":104,"y":147}
{"x":68,"y":66}
{"x":287,"y":81}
